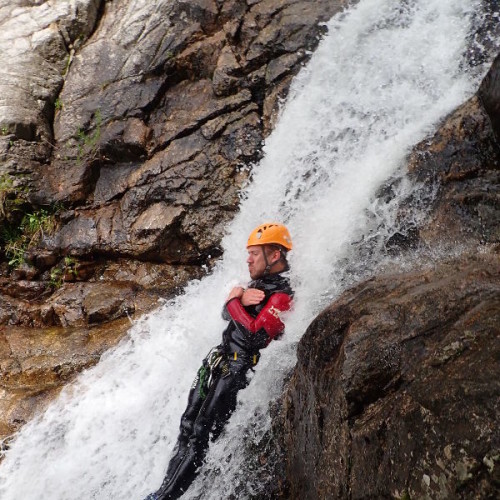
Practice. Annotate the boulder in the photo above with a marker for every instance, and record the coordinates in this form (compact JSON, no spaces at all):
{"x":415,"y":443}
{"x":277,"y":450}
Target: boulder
{"x":395,"y":392}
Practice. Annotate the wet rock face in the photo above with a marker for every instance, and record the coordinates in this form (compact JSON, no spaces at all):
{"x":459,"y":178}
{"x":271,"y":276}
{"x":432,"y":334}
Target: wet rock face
{"x":396,"y":389}
{"x":69,"y":299}
{"x":36,"y":363}
{"x":143,"y":118}
{"x":159,"y":112}
{"x":489,"y":93}
{"x":460,"y":163}
{"x":37,"y":39}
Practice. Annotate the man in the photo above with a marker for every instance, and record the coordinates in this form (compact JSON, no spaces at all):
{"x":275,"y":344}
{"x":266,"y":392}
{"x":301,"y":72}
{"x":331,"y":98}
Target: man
{"x":254,"y":320}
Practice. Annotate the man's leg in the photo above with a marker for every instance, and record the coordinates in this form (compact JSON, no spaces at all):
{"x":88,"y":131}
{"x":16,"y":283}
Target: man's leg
{"x":195,"y":402}
{"x":215,"y":411}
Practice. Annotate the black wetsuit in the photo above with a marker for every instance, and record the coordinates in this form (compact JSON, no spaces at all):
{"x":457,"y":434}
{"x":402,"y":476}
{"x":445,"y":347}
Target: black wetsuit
{"x":209,"y":405}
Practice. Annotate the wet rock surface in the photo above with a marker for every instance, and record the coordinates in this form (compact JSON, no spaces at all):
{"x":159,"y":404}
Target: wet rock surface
{"x":396,"y":393}
{"x":36,"y":363}
{"x":461,"y":165}
{"x":396,"y":389}
{"x":142,"y":144}
{"x":134,"y":125}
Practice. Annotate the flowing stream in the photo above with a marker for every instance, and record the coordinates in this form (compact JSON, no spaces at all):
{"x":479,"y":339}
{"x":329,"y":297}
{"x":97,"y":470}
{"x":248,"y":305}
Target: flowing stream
{"x":378,"y":84}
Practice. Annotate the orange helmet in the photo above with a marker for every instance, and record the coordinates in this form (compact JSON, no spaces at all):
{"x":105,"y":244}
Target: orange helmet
{"x":270,"y":233}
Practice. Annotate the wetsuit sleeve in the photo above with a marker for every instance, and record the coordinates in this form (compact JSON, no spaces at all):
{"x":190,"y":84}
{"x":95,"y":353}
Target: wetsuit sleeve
{"x":268,"y":318}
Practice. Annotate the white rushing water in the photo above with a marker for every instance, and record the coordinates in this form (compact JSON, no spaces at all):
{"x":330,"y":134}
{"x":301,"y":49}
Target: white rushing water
{"x":377,"y":84}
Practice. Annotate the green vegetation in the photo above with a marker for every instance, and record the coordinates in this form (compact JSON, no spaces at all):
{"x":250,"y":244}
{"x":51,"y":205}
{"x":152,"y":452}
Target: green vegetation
{"x":70,"y":266}
{"x":11,"y":196}
{"x":88,"y":142}
{"x":59,"y":274}
{"x":18,"y":239}
{"x":58,"y":105}
{"x":56,"y":278}
{"x":21,"y":226}
{"x":4,"y":130}
{"x":67,"y":64}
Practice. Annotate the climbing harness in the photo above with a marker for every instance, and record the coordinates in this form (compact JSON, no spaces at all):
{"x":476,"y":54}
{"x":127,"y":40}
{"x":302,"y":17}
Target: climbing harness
{"x":212,"y":364}
{"x":216,"y":363}
{"x":255,"y":357}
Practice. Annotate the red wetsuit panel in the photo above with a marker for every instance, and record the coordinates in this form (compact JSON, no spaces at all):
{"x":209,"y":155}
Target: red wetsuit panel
{"x":268,"y":318}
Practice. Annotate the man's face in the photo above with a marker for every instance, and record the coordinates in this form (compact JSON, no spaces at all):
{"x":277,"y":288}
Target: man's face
{"x":256,"y":261}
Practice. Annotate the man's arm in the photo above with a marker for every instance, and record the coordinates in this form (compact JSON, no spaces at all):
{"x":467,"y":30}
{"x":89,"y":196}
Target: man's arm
{"x":268,"y":318}
{"x":248,"y":297}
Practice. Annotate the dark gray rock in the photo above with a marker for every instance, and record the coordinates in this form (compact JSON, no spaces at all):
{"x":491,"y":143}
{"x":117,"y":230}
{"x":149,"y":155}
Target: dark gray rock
{"x":489,"y":93}
{"x":396,"y":389}
{"x":461,"y":163}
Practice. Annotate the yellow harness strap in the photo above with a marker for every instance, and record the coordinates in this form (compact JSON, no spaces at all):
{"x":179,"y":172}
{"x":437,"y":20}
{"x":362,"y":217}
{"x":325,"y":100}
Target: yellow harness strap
{"x":254,"y":357}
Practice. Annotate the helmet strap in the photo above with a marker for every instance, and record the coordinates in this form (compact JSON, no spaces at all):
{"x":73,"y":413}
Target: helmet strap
{"x":268,"y":266}
{"x":267,"y":270}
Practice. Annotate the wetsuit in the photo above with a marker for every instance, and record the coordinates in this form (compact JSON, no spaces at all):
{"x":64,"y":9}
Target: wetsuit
{"x":212,"y":397}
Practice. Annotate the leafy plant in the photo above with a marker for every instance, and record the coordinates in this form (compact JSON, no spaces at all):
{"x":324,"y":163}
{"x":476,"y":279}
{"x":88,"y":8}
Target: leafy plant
{"x":15,"y":252}
{"x":33,"y":227}
{"x":11,"y":198}
{"x":58,"y":105}
{"x":59,"y":273}
{"x":56,"y":278}
{"x":71,"y":266}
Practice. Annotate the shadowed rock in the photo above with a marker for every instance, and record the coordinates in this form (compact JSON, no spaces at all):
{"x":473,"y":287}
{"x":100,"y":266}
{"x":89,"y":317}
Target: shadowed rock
{"x":396,"y":389}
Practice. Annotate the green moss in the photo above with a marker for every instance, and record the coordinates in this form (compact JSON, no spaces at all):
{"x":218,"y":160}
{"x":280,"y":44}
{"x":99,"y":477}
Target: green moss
{"x":88,"y":147}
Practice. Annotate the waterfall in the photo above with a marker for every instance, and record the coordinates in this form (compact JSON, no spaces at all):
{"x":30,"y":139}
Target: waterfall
{"x":379,"y":82}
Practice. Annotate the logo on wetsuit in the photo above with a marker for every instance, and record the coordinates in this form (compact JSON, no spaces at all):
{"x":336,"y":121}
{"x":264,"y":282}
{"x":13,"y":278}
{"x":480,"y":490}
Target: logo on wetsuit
{"x":275,"y":312}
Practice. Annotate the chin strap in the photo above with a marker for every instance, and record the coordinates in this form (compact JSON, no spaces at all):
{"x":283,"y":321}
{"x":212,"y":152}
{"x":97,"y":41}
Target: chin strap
{"x":267,"y":270}
{"x":268,"y":266}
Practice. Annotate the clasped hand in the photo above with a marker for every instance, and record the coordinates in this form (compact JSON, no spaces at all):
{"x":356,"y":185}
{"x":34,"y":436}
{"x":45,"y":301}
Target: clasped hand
{"x":248,"y":297}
